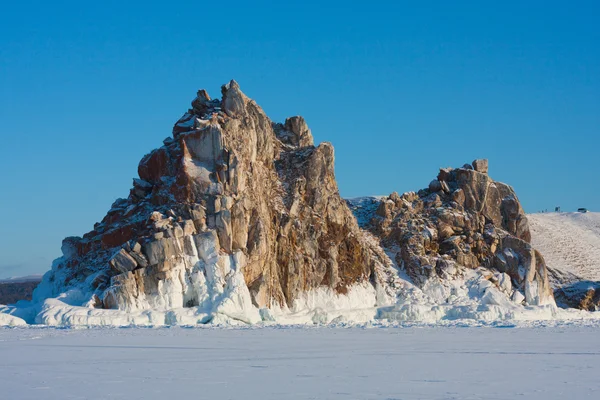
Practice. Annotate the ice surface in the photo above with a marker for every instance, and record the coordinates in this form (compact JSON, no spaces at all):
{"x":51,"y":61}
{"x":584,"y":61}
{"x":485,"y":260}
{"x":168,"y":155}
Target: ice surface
{"x":300,"y":363}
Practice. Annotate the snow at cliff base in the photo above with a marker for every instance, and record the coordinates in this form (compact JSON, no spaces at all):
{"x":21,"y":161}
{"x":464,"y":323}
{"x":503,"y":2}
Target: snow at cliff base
{"x":569,"y":241}
{"x":472,"y":301}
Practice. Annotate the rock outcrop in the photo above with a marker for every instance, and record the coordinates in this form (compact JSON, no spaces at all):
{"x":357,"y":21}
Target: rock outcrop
{"x":237,"y":218}
{"x":463,"y":218}
{"x":581,"y":294}
{"x":232,"y":212}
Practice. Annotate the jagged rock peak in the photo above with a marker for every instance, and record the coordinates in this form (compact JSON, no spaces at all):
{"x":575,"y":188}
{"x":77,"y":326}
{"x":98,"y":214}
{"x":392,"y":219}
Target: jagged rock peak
{"x":234,"y":101}
{"x":232,"y":213}
{"x":463,"y":218}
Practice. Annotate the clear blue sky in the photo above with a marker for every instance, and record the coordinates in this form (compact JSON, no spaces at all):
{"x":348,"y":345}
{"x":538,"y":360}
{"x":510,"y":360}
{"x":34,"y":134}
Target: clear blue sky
{"x":399,"y":88}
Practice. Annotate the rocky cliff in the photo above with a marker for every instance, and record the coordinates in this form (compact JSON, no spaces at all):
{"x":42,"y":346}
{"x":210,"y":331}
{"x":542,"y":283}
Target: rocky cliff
{"x":465,"y":219}
{"x":233,"y":213}
{"x":236,"y":218}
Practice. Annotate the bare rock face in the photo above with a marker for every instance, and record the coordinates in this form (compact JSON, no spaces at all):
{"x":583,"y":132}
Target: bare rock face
{"x":572,"y":291}
{"x":481,"y":165}
{"x":230,"y":200}
{"x":463,"y":217}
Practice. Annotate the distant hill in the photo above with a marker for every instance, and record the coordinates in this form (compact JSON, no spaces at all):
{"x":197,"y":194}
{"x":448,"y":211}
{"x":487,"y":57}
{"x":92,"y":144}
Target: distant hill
{"x":15,"y":289}
{"x":570,"y":244}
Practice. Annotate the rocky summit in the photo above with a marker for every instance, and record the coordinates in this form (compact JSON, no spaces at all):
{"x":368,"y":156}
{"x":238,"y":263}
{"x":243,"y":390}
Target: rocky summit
{"x":238,"y":219}
{"x":231,"y":200}
{"x":463,"y":218}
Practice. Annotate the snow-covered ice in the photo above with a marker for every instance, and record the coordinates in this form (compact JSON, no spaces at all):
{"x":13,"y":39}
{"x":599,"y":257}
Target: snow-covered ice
{"x":300,"y":363}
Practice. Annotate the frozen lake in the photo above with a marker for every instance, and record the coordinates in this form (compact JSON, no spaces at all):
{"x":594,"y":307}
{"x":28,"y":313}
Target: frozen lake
{"x":300,"y":363}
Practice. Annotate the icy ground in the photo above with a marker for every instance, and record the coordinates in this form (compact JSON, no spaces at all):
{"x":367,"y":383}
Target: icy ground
{"x":300,"y":363}
{"x":569,"y":242}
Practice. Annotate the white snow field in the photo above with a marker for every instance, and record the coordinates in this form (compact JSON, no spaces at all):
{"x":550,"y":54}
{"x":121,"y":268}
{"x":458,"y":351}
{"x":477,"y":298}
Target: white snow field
{"x":569,"y":242}
{"x":300,"y":363}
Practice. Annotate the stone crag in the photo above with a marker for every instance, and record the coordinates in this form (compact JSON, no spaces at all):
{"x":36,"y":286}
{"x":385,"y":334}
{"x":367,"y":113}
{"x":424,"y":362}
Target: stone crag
{"x":463,"y":218}
{"x":239,"y":217}
{"x":231,"y":200}
{"x":582,"y":294}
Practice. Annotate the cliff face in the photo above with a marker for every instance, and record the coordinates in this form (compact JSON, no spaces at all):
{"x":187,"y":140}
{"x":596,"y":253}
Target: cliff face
{"x":233,"y":211}
{"x":463,"y":218}
{"x":237,"y":218}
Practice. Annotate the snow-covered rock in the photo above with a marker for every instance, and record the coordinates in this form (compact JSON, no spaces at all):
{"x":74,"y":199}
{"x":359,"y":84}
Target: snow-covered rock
{"x":463,"y":218}
{"x":11,"y":320}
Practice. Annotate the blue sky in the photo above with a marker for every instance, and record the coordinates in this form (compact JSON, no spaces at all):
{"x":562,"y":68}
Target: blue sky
{"x":399,"y":88}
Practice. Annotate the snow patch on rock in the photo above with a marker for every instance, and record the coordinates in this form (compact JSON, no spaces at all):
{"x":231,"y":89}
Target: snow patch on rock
{"x":11,"y":320}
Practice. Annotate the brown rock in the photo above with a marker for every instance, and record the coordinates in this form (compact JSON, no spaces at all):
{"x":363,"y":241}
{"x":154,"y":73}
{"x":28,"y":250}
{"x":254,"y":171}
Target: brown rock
{"x":300,"y":134}
{"x":201,"y":104}
{"x":160,"y":250}
{"x":223,"y":225}
{"x":480,"y":165}
{"x":236,"y":187}
{"x":435,"y":186}
{"x":122,"y":262}
{"x":234,"y":101}
{"x":120,"y":235}
{"x":155,"y":165}
{"x":476,"y":222}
